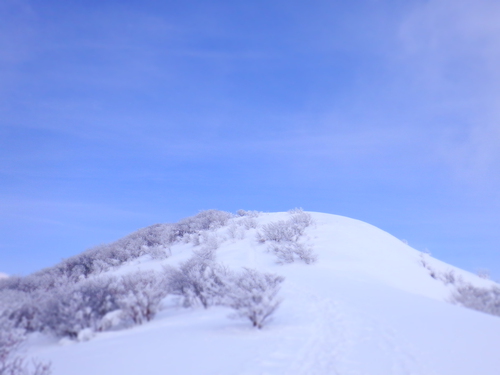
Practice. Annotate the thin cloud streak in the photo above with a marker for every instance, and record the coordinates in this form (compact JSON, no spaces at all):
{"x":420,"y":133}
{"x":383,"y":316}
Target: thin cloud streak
{"x":455,"y":51}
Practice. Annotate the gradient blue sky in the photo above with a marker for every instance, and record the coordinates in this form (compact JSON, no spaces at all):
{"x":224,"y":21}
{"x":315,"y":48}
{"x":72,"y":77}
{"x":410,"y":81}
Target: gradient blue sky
{"x":115,"y":115}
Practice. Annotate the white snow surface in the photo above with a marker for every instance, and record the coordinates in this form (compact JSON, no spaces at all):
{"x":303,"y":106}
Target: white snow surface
{"x":3,"y":275}
{"x":367,"y":306}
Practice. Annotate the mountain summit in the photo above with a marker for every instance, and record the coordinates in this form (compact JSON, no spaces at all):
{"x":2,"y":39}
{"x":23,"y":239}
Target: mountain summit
{"x":331,"y":295}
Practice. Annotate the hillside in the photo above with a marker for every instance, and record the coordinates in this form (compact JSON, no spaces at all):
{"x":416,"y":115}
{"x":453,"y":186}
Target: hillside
{"x":355,"y":300}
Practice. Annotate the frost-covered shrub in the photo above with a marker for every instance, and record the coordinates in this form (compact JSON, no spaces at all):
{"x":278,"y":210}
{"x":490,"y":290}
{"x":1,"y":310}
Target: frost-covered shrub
{"x":280,"y":231}
{"x":205,"y":220}
{"x":22,"y":309}
{"x":283,"y":238}
{"x":483,"y":273}
{"x":207,"y":240}
{"x":245,"y":221}
{"x":144,"y":241}
{"x":90,"y":305}
{"x":80,"y":306}
{"x":286,"y":230}
{"x":250,"y":214}
{"x":202,"y":281}
{"x":80,"y":266}
{"x":11,"y":363}
{"x":480,"y":299}
{"x":12,"y":283}
{"x":154,"y":240}
{"x":199,"y":280}
{"x":288,"y":252}
{"x":29,"y":283}
{"x":140,"y":296}
{"x":235,"y":232}
{"x":254,"y":296}
{"x":300,"y":218}
{"x":425,"y":263}
{"x":10,"y":340}
{"x":248,"y":223}
{"x":210,"y":242}
{"x":449,"y":277}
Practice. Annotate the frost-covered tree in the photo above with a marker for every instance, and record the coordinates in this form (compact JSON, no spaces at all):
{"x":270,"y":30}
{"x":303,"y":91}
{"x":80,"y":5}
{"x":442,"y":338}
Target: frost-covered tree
{"x":254,"y":296}
{"x":82,"y":306}
{"x":140,"y":295}
{"x":199,"y":280}
{"x":22,"y":309}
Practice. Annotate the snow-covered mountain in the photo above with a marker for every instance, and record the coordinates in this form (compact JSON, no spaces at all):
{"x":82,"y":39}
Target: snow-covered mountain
{"x":355,"y":300}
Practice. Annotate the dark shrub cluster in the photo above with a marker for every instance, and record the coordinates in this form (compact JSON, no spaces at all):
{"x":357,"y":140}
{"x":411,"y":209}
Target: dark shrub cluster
{"x":486,"y":300}
{"x":447,"y":278}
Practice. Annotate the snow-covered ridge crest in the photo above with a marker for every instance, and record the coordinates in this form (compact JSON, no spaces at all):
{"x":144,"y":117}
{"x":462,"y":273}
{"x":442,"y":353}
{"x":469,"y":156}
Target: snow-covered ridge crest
{"x":331,"y":295}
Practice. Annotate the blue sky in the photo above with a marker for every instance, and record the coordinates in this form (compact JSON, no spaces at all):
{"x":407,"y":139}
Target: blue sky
{"x":115,"y":115}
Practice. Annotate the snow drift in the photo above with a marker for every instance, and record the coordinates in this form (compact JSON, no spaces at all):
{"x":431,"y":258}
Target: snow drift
{"x":347,"y":298}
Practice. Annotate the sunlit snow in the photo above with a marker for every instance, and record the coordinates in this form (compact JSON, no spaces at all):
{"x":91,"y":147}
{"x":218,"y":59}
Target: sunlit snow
{"x":366,"y":306}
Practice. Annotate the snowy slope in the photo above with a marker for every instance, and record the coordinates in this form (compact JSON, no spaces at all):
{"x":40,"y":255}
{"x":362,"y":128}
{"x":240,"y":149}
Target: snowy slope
{"x":368,"y":305}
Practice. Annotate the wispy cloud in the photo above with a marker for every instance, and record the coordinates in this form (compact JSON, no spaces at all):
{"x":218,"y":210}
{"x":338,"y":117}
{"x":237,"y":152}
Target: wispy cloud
{"x":453,"y":50}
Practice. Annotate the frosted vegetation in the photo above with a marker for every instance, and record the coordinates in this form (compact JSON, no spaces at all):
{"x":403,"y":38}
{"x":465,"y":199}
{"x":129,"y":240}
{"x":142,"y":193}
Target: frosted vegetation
{"x":486,"y":300}
{"x":11,"y":363}
{"x":105,"y":289}
{"x":284,"y":238}
{"x":82,"y":295}
{"x":482,"y":299}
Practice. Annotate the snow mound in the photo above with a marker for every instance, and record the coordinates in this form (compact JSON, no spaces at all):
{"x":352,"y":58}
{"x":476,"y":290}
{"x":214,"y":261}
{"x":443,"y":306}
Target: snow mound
{"x":363,"y":303}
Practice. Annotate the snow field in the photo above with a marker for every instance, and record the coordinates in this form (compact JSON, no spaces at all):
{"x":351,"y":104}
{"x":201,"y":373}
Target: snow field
{"x":367,"y":306}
